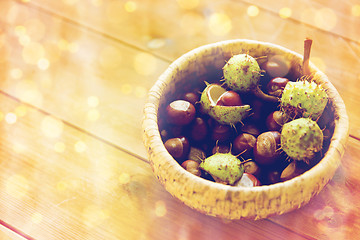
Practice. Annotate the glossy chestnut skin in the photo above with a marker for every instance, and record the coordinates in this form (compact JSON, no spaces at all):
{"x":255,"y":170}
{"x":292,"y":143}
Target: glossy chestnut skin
{"x":191,"y":97}
{"x":291,"y":171}
{"x":230,"y":98}
{"x":199,"y":129}
{"x":244,"y":143}
{"x":276,"y":86}
{"x":180,"y":112}
{"x":275,"y":121}
{"x":221,"y":132}
{"x":252,"y":168}
{"x":220,"y":148}
{"x":178,"y":147}
{"x":192,"y":167}
{"x":276,"y":66}
{"x":266,"y":149}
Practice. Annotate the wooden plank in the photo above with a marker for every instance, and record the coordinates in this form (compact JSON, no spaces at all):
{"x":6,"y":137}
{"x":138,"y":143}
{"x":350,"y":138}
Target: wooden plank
{"x":334,"y":213}
{"x":91,"y":81}
{"x":146,"y":28}
{"x":61,"y":183}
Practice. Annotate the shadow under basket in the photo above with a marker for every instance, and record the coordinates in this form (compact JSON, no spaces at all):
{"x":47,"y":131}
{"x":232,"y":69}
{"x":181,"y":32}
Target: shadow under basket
{"x":221,"y":200}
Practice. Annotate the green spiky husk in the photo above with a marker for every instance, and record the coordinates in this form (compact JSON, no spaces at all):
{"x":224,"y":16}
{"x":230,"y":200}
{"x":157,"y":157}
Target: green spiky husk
{"x":224,"y":166}
{"x":303,"y":99}
{"x":301,"y":139}
{"x":242,"y":73}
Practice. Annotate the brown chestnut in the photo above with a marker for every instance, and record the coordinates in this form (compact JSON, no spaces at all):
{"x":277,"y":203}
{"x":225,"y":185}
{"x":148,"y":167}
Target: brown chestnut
{"x":291,"y":171}
{"x":273,"y":176}
{"x":244,"y":143}
{"x":276,"y":86}
{"x":250,"y":129}
{"x":248,"y":180}
{"x":221,"y":148}
{"x":266,"y":149}
{"x":180,"y":112}
{"x":275,"y":121}
{"x":191,"y":97}
{"x":192,"y":167}
{"x":276,"y":66}
{"x":198,"y":129}
{"x":221,"y":132}
{"x":252,"y":168}
{"x":178,"y":147}
{"x":196,"y":154}
{"x":229,"y":98}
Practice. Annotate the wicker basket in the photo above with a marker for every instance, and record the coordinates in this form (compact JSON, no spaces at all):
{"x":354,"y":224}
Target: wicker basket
{"x":222,"y":200}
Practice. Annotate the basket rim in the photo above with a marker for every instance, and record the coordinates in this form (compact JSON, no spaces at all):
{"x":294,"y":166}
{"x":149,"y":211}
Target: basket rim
{"x":154,"y":141}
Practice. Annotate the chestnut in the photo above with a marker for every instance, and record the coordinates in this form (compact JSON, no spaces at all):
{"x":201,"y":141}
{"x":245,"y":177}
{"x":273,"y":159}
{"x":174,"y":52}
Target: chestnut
{"x":192,"y":167}
{"x":252,"y":168}
{"x":196,"y":154}
{"x":291,"y":171}
{"x":244,"y":143}
{"x":220,"y":148}
{"x":198,"y":129}
{"x":276,"y":86}
{"x":191,"y":97}
{"x":178,"y":147}
{"x":266,"y":149}
{"x":180,"y":112}
{"x":276,"y":66}
{"x":273,"y":176}
{"x":248,"y":180}
{"x":221,"y":132}
{"x":251,"y":129}
{"x":275,"y":121}
{"x":229,"y":98}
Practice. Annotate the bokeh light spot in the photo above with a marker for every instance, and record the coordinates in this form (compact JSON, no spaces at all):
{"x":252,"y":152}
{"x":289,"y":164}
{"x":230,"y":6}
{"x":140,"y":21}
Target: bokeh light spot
{"x":253,"y":11}
{"x":285,"y":12}
{"x":124,"y":178}
{"x":52,"y":127}
{"x":126,"y":89}
{"x":93,"y":101}
{"x":61,"y":186}
{"x":160,"y":209}
{"x":97,"y":3}
{"x":43,"y":64}
{"x":93,"y":115}
{"x":145,"y":64}
{"x":33,"y":52}
{"x":220,"y":24}
{"x":17,"y":186}
{"x":188,"y":4}
{"x":325,"y":18}
{"x":37,"y":218}
{"x":80,"y":146}
{"x":130,"y":6}
{"x":110,"y":57}
{"x":59,"y":147}
{"x":10,"y":118}
{"x":16,"y":73}
{"x":21,"y":110}
{"x":355,"y":10}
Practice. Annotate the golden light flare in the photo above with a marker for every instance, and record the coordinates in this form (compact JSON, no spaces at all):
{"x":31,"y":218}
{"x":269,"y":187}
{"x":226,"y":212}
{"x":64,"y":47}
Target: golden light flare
{"x":19,"y":147}
{"x":33,"y":52}
{"x":219,"y":24}
{"x":20,"y":30}
{"x":93,"y":101}
{"x":192,"y":22}
{"x":24,"y":40}
{"x":126,"y":89}
{"x":253,"y":11}
{"x":35,"y":29}
{"x":156,"y":43}
{"x":21,"y":110}
{"x":110,"y":57}
{"x":93,"y":115}
{"x":62,"y":186}
{"x":97,"y":3}
{"x":188,"y":4}
{"x":160,"y":208}
{"x":124,"y":178}
{"x":10,"y":118}
{"x":130,"y":6}
{"x":355,"y":10}
{"x":285,"y":12}
{"x":28,"y":92}
{"x":16,"y":73}
{"x":70,"y":2}
{"x":52,"y":127}
{"x":59,"y":147}
{"x":17,"y":186}
{"x":36,"y":218}
{"x":80,"y":146}
{"x":319,"y":63}
{"x":43,"y":64}
{"x":325,"y":18}
{"x":93,"y":215}
{"x":145,"y":64}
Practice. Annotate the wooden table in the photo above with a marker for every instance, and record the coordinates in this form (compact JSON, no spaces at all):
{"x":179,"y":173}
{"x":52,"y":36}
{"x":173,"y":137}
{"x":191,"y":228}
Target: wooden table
{"x":74,"y":75}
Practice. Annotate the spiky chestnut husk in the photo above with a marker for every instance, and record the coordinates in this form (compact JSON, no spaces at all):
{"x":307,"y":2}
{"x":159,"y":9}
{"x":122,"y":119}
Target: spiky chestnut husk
{"x":229,"y":115}
{"x":303,"y":98}
{"x":224,"y":167}
{"x":242,"y":73}
{"x":301,"y":139}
